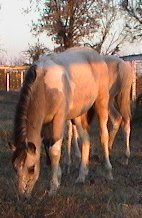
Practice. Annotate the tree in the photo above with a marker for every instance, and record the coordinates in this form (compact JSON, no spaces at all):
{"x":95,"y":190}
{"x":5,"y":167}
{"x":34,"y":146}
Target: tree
{"x":67,"y":21}
{"x":134,"y":8}
{"x":34,"y":51}
{"x":14,"y":61}
{"x":102,"y":24}
{"x":113,"y":29}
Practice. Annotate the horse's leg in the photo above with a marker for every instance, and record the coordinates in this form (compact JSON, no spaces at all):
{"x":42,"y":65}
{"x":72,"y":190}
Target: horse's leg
{"x":115,"y":118}
{"x":126,"y":129}
{"x":55,"y":151}
{"x":83,"y":134}
{"x":101,"y":107}
{"x":47,"y":143}
{"x":68,"y":148}
{"x":75,"y":142}
{"x":72,"y":140}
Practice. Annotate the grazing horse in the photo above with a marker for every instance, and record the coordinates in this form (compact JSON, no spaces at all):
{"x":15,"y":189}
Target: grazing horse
{"x":120,"y":83}
{"x":57,"y":88}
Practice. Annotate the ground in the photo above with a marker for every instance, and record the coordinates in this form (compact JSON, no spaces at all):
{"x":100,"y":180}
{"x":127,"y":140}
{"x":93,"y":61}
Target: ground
{"x":98,"y":197}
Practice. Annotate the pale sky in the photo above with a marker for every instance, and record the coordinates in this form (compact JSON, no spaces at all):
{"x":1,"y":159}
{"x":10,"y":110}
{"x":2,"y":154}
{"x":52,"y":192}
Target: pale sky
{"x":15,"y":27}
{"x":15,"y":30}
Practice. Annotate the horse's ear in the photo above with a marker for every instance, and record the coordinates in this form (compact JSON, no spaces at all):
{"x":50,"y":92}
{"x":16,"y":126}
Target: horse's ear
{"x":12,"y":146}
{"x":31,"y":148}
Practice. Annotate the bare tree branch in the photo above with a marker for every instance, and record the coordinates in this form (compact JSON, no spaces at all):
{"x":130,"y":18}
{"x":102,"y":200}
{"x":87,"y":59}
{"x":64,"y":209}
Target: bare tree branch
{"x":71,"y":22}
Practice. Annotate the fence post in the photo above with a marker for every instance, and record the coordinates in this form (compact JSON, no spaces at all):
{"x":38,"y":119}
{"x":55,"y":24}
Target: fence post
{"x":22,"y":77}
{"x":134,"y":81}
{"x":7,"y":80}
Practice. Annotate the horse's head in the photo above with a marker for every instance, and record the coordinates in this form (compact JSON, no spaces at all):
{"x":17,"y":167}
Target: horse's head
{"x":26,"y":164}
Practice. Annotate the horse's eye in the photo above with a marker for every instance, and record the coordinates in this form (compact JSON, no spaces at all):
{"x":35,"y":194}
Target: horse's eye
{"x":31,"y":169}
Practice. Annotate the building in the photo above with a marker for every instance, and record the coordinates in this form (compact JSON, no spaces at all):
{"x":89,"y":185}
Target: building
{"x":136,"y":61}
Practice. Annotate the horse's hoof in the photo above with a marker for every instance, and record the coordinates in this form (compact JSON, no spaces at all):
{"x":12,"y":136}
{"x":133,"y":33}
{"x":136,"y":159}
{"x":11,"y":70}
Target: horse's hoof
{"x":68,"y":170}
{"x":53,"y":189}
{"x":110,"y":176}
{"x":125,"y":162}
{"x":80,"y":180}
{"x":52,"y":193}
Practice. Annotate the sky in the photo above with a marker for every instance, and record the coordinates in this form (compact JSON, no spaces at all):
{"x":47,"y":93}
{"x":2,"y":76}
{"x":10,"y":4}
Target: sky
{"x":15,"y":30}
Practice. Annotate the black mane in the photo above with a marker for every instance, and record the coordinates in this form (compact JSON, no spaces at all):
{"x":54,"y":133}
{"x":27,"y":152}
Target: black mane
{"x":20,"y":130}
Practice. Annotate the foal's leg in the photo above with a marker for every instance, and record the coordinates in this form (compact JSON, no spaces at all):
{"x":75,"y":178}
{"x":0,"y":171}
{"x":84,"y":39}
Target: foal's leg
{"x":115,"y":118}
{"x":126,"y":129}
{"x":102,"y":112}
{"x":55,"y":152}
{"x":83,"y":171}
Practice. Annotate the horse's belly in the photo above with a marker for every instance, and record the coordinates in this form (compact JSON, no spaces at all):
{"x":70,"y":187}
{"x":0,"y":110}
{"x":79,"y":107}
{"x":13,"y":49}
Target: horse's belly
{"x":80,"y":105}
{"x":83,"y":95}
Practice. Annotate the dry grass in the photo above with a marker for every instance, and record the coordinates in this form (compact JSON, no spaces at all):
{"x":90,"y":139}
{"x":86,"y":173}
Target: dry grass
{"x":96,"y":198}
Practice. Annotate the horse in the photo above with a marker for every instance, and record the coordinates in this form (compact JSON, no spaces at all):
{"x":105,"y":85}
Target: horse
{"x":121,"y":78}
{"x":120,"y":83}
{"x":57,"y":88}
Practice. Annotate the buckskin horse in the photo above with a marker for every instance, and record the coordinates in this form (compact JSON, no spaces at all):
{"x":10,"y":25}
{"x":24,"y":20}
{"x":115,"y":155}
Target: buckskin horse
{"x":120,"y":83}
{"x":57,"y":88}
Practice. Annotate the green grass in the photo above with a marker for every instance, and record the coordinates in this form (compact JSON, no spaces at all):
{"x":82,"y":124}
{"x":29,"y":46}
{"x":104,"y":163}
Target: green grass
{"x":98,"y":197}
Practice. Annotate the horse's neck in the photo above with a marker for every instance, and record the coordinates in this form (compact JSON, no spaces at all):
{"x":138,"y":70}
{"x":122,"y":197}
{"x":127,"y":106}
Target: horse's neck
{"x":34,"y":134}
{"x":34,"y":124}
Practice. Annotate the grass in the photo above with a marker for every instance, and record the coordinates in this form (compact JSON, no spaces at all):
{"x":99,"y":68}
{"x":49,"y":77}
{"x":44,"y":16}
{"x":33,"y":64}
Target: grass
{"x":98,"y":197}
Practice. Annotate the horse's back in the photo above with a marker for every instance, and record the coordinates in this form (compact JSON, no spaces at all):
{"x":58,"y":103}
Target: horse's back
{"x":120,"y":72}
{"x":78,"y":74}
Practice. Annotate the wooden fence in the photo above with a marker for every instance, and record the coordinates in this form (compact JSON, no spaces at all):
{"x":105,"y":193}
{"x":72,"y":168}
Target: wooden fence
{"x":11,"y":78}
